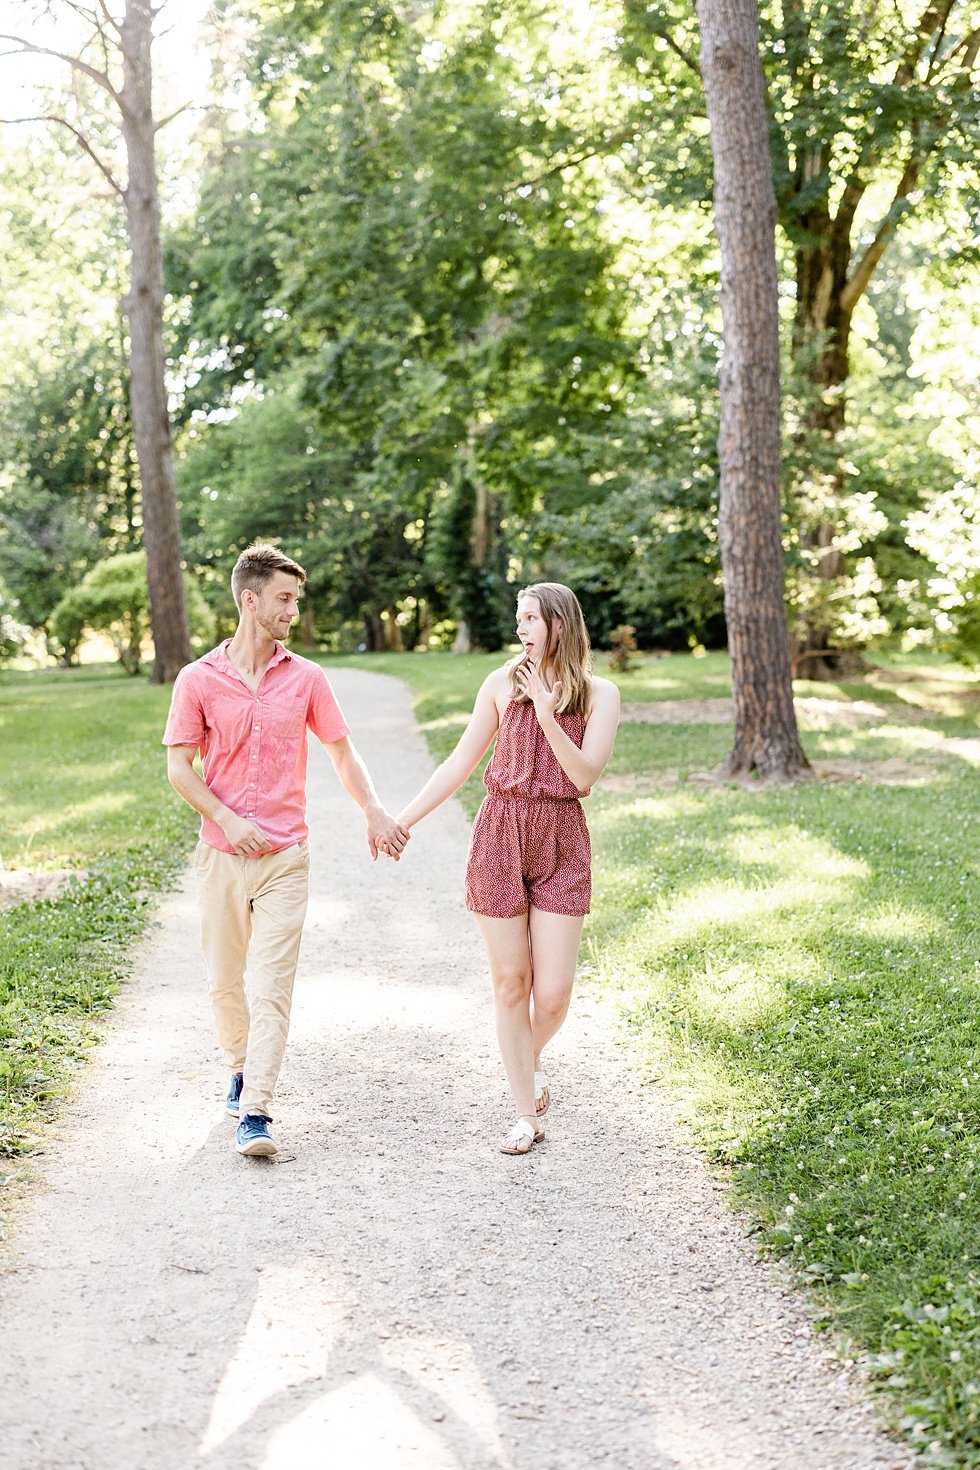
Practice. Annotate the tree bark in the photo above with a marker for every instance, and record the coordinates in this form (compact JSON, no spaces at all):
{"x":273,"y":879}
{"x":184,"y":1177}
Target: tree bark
{"x":143,"y":307}
{"x":766,"y":737}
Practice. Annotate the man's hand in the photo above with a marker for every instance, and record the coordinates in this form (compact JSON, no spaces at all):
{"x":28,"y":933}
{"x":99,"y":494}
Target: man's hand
{"x":384,"y":833}
{"x":245,"y":837}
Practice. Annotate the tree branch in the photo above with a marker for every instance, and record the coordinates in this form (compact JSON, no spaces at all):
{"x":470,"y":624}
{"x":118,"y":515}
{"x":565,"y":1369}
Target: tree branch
{"x":608,"y":145}
{"x":854,"y":191}
{"x":678,"y":50}
{"x":863,"y":271}
{"x":79,"y":137}
{"x":969,"y":45}
{"x":934,"y":58}
{"x":935,"y":16}
{"x":110,"y":17}
{"x":86,"y":15}
{"x":184,"y":107}
{"x":74,"y":62}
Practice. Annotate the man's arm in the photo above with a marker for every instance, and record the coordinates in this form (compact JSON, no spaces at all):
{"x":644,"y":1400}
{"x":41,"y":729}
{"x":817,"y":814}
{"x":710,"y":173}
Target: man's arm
{"x":383,"y":832}
{"x":247,"y":839}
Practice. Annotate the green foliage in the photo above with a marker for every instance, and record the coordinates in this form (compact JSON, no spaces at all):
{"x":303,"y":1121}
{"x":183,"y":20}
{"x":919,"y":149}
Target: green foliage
{"x":444,"y":319}
{"x":68,"y":495}
{"x":113,"y":599}
{"x":67,"y":479}
{"x":476,"y":585}
{"x":645,"y":550}
{"x":13,"y":634}
{"x":947,"y":532}
{"x":453,"y":326}
{"x":859,"y":95}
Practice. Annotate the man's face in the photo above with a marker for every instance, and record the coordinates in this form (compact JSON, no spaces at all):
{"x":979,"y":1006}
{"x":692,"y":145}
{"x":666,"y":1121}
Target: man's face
{"x":277,"y":605}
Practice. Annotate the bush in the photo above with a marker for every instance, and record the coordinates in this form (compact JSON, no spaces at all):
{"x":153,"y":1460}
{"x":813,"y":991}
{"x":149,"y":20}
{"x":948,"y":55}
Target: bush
{"x":113,"y":599}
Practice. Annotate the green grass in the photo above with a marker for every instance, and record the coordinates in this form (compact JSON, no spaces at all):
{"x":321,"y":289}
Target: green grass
{"x":83,"y":788}
{"x":802,"y":969}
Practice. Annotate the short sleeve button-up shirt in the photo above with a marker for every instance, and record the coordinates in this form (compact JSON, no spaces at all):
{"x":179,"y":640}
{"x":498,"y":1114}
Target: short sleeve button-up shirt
{"x":253,"y":743}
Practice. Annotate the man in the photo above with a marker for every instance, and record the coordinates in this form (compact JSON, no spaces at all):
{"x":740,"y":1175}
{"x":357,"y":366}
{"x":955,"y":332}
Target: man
{"x":246,"y":707}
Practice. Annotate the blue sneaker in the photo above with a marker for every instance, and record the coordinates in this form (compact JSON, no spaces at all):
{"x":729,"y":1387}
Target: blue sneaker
{"x":234,"y":1093}
{"x":253,"y":1136}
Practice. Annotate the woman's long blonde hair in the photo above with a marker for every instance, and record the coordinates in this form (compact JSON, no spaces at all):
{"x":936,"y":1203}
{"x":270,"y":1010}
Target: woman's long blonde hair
{"x":571,"y":662}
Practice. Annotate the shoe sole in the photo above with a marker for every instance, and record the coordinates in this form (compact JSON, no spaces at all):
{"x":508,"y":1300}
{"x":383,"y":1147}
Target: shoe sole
{"x":258,"y":1148}
{"x":233,"y":1113}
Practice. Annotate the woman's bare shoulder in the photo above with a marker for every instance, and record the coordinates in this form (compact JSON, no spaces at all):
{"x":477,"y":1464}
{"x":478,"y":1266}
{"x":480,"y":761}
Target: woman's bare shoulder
{"x":498,"y":678}
{"x":496,"y":687}
{"x":604,"y":695}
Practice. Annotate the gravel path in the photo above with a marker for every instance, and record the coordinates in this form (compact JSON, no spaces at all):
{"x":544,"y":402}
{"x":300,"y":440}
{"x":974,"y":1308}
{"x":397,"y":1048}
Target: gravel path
{"x":392,"y":1293}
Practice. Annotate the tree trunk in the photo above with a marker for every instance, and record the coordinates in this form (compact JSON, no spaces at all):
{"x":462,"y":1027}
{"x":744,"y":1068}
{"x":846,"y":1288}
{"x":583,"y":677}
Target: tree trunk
{"x":766,"y":738}
{"x":821,"y":339}
{"x":374,"y":629}
{"x":392,"y":632}
{"x":148,"y":394}
{"x":822,"y":323}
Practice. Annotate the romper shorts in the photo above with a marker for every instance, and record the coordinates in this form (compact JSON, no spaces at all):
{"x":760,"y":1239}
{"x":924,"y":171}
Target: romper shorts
{"x":527,"y":850}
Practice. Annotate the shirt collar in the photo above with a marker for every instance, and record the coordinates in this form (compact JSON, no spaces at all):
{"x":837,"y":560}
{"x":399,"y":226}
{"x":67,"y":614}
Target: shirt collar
{"x":219,"y":656}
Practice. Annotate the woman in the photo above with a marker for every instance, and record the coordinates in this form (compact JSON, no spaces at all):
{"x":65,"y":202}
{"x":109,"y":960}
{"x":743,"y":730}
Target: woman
{"x":528,"y":878}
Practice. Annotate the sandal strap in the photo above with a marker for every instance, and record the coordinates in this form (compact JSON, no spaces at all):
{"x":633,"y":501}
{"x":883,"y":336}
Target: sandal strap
{"x":522,"y":1129}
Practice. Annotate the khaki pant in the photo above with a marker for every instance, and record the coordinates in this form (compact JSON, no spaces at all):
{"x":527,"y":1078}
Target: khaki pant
{"x":252,"y":908}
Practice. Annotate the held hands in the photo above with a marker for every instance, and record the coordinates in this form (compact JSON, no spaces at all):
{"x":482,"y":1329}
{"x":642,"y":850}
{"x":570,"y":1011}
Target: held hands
{"x":385,"y":834}
{"x":545,"y":700}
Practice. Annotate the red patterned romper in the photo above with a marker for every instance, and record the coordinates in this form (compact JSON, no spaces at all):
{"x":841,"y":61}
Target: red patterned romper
{"x":529,"y":842}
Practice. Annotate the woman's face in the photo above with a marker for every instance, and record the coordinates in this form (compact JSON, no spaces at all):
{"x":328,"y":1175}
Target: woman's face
{"x":532,"y":630}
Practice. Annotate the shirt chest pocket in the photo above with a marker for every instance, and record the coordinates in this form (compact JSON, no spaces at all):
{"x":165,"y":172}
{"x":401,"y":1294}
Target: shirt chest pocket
{"x":287,"y":717}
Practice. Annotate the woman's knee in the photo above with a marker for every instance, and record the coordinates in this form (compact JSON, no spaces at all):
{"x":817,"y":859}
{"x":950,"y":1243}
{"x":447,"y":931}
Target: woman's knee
{"x":512,"y":988}
{"x":551,"y":1006}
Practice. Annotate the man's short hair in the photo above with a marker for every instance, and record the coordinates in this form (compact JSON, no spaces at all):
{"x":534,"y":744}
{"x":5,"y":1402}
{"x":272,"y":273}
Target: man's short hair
{"x":257,"y":565}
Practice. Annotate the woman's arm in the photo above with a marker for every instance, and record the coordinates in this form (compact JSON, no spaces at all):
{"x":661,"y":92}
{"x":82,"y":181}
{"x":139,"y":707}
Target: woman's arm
{"x":584,"y":766}
{"x":472,"y":746}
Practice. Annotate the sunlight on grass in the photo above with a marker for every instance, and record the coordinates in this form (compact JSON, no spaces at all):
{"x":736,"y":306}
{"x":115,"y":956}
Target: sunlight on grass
{"x":702,"y":910}
{"x":605,"y":809}
{"x":788,"y":849}
{"x":738,"y":996}
{"x":456,"y":722}
{"x":896,"y":921}
{"x":80,"y":811}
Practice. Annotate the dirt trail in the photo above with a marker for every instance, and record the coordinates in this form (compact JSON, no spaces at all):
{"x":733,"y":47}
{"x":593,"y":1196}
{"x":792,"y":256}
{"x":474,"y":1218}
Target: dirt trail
{"x":392,"y":1293}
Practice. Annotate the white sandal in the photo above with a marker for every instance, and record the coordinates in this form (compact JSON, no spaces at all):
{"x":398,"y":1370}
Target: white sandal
{"x":541,"y":1088}
{"x":522,"y":1130}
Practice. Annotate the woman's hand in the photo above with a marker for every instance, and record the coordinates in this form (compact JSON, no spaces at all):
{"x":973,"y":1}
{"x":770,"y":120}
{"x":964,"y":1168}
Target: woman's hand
{"x":545,"y":700}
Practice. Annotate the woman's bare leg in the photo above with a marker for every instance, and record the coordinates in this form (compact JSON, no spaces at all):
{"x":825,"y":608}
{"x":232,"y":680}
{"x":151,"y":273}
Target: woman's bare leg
{"x":510,"y":970}
{"x":554,"y":954}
